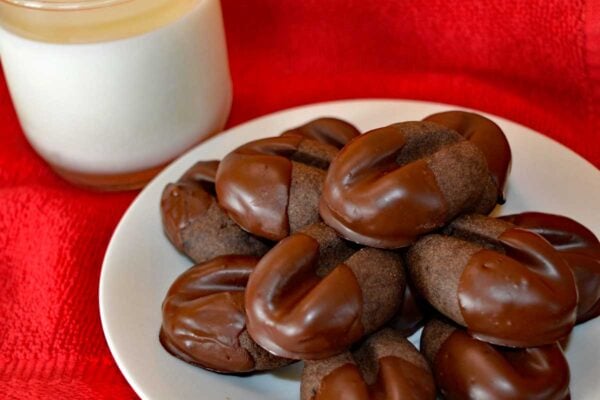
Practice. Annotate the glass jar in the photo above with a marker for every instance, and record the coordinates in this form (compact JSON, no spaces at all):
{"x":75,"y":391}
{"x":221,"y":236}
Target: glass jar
{"x":109,"y":91}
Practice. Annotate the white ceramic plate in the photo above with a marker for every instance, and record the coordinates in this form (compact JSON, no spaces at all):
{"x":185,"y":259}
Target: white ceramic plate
{"x":140,"y":263}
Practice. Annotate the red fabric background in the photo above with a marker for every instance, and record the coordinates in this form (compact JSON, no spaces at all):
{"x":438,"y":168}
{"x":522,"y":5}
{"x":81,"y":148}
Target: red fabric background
{"x":536,"y":62}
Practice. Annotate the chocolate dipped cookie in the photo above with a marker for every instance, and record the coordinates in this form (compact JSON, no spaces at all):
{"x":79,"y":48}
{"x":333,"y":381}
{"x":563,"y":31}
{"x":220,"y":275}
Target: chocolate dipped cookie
{"x":506,"y":285}
{"x":199,"y":228}
{"x":385,"y":366}
{"x":393,"y":184}
{"x":194,"y":222}
{"x":271,"y":187}
{"x":578,"y":246}
{"x":204,"y":321}
{"x":468,"y":369}
{"x":313,"y":294}
{"x":487,"y":136}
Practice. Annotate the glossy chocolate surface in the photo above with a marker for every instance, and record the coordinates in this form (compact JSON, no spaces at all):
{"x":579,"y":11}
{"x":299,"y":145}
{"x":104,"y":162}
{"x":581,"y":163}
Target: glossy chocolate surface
{"x":190,"y":197}
{"x":294,"y":313}
{"x":254,"y":181}
{"x":345,"y":382}
{"x":369,"y":198}
{"x":253,"y":185}
{"x":562,"y":232}
{"x":466,"y":368}
{"x":397,"y":379}
{"x":578,"y":246}
{"x":587,"y":276}
{"x":203,"y":173}
{"x":204,"y":316}
{"x":332,"y":131}
{"x":486,"y":135}
{"x":526,"y":297}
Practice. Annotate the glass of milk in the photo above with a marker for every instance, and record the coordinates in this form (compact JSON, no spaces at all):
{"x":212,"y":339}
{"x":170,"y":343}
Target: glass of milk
{"x":109,"y":91}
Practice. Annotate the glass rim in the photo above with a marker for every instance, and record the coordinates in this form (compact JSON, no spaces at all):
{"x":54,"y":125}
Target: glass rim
{"x":63,"y":5}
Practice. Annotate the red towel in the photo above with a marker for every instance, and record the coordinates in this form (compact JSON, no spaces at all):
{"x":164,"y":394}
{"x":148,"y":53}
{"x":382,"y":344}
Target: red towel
{"x":536,"y":62}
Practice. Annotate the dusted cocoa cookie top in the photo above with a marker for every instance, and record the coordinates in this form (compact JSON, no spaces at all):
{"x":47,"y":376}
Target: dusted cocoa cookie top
{"x":313,"y":295}
{"x":385,"y":366}
{"x":466,"y":368}
{"x":194,"y":222}
{"x":204,"y":322}
{"x":393,"y":184}
{"x":578,"y":246}
{"x":508,"y":286}
{"x":484,"y":134}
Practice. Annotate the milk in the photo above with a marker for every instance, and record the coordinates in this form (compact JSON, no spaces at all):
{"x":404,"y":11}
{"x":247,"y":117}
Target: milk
{"x":125,"y":105}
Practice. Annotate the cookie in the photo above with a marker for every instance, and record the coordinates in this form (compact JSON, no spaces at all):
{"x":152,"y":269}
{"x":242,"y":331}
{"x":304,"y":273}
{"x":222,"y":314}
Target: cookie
{"x":466,"y":368}
{"x":391,"y":185}
{"x":204,"y":321}
{"x":313,"y":295}
{"x":196,"y":225}
{"x":385,"y":366}
{"x":507,"y":285}
{"x":271,"y":187}
{"x":578,"y":246}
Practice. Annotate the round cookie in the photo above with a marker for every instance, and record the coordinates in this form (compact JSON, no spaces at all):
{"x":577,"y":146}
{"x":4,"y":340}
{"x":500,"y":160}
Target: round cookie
{"x":578,"y":246}
{"x":196,"y":225}
{"x":507,"y":285}
{"x":484,"y":134}
{"x":204,"y":321}
{"x":466,"y":368}
{"x":391,"y":185}
{"x":313,"y":295}
{"x":385,"y":366}
{"x":332,"y":131}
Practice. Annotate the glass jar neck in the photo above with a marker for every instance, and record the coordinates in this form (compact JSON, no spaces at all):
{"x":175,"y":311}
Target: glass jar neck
{"x":89,"y":21}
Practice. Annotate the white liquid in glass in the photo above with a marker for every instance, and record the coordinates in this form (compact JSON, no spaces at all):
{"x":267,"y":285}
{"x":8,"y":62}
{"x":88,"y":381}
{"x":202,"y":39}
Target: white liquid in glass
{"x":126,"y":104}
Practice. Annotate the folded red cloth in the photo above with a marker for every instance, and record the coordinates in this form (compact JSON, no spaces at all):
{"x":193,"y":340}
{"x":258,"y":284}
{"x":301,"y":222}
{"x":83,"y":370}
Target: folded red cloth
{"x":535,"y":62}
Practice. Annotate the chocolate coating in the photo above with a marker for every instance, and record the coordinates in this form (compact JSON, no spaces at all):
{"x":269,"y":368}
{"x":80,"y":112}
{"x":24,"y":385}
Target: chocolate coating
{"x":253,"y":185}
{"x":312,"y":296}
{"x":393,"y":184}
{"x":194,"y":222}
{"x":255,"y":182}
{"x":466,"y":368}
{"x":202,"y":173}
{"x":332,"y":131}
{"x":578,"y":246}
{"x":508,"y":286}
{"x":385,"y":366}
{"x":181,"y":202}
{"x":204,"y":321}
{"x":484,"y":134}
{"x":500,"y":295}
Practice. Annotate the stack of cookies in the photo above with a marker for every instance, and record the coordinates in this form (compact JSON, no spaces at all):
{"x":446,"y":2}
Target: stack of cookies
{"x":332,"y":247}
